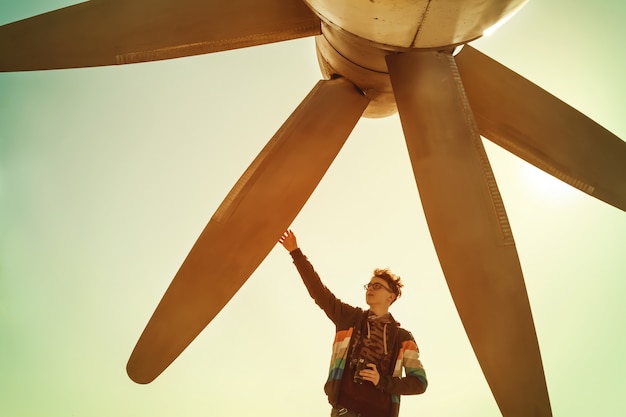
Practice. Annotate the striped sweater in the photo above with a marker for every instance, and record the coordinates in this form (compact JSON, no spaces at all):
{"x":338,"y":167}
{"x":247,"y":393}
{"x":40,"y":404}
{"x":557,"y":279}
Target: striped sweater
{"x":346,"y":319}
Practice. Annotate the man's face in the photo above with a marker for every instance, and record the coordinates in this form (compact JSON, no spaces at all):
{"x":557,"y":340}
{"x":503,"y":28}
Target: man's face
{"x":378,"y":292}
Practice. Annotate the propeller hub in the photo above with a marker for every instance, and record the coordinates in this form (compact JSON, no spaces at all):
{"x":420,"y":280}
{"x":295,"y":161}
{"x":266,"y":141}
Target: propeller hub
{"x":340,"y":53}
{"x":356,"y":37}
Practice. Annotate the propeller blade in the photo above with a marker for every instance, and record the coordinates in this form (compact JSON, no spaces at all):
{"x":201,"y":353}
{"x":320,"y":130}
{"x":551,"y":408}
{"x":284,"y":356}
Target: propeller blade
{"x":108,"y":32}
{"x":249,"y":222}
{"x":541,"y":129}
{"x":469,"y":228}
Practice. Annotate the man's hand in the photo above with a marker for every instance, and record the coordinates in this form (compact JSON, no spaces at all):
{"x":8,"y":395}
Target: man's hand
{"x":288,"y":240}
{"x":370,"y":374}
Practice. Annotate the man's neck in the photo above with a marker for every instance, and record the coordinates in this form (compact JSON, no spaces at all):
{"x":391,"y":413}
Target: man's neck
{"x":379,"y":310}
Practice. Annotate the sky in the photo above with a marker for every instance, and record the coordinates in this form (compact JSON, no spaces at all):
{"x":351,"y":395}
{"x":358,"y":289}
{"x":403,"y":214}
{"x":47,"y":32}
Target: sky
{"x":108,"y":175}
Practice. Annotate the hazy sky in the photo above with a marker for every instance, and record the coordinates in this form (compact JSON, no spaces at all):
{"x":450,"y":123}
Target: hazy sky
{"x":108,"y":175}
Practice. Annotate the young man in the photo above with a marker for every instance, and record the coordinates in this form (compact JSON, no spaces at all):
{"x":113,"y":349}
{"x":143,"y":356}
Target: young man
{"x":370,"y":348}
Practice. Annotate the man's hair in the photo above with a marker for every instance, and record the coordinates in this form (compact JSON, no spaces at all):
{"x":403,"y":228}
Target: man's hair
{"x":394,"y":281}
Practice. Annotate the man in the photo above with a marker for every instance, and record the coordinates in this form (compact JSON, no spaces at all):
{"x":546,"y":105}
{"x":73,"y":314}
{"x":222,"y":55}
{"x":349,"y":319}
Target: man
{"x":370,"y":348}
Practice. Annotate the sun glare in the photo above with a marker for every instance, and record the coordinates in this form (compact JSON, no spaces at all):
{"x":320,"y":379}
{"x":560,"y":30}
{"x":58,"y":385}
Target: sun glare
{"x":544,"y":183}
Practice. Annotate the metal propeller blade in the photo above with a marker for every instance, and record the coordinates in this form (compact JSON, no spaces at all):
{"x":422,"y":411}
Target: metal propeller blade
{"x":543,"y":130}
{"x":108,"y":32}
{"x":247,"y":225}
{"x":469,"y":228}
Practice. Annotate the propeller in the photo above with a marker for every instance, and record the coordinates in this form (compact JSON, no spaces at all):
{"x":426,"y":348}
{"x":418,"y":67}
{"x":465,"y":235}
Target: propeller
{"x":469,"y":228}
{"x":445,"y":104}
{"x":543,"y":130}
{"x":248,"y":223}
{"x":108,"y":32}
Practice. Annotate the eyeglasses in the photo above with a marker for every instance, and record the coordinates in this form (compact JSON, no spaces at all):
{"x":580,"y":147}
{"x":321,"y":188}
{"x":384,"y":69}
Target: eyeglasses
{"x":375,"y":286}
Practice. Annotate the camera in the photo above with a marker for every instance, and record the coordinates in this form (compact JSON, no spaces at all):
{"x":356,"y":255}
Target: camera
{"x":358,"y":365}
